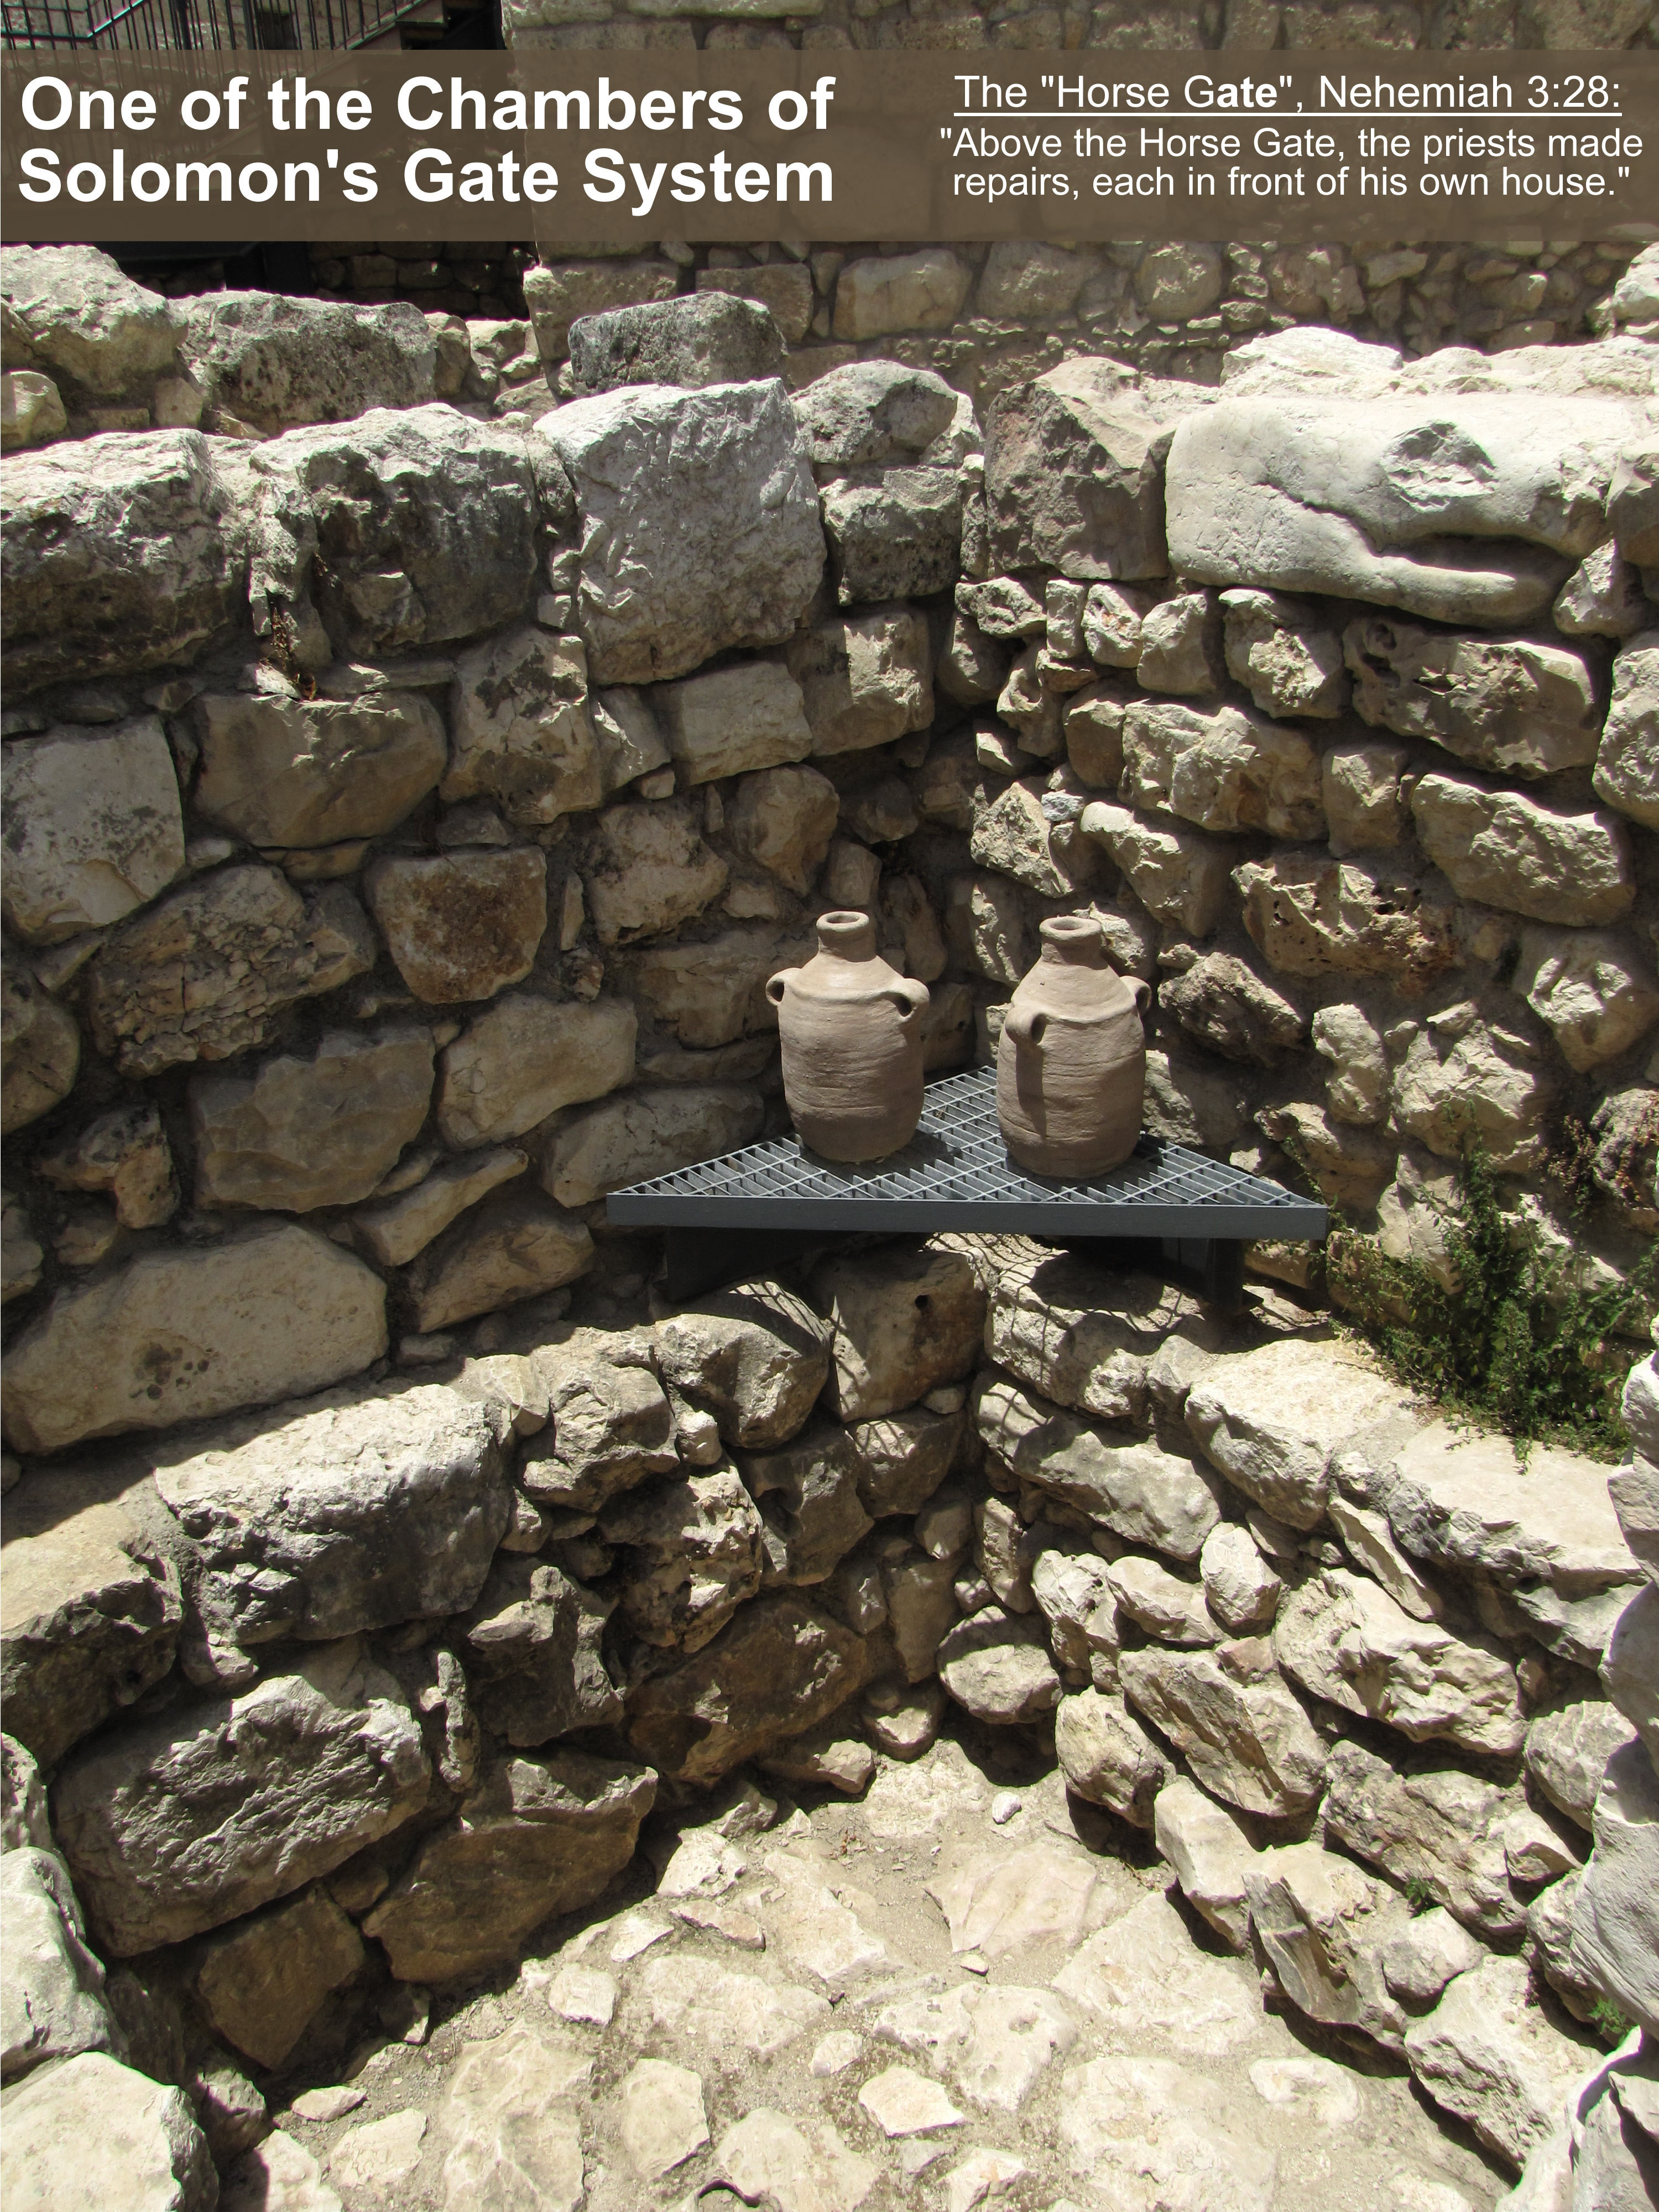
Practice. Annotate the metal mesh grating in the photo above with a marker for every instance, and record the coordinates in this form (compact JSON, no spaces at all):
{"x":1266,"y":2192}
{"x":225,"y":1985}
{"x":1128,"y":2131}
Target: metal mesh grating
{"x":956,"y":1173}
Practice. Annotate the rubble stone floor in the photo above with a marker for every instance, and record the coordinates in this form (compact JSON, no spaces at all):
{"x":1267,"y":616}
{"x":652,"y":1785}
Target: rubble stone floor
{"x":960,"y":1989}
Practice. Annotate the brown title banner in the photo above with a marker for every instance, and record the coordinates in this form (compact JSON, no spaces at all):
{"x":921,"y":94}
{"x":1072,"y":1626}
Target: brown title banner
{"x":611,"y":149}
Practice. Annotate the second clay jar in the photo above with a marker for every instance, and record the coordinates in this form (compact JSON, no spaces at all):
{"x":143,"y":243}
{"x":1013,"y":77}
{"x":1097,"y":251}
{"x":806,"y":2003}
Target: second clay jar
{"x":1072,"y":1062}
{"x":851,"y":1031}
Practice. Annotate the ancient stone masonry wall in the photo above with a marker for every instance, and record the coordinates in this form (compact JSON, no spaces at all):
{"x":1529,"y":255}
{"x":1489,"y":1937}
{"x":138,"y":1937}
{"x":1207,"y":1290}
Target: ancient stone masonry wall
{"x":406,"y":803}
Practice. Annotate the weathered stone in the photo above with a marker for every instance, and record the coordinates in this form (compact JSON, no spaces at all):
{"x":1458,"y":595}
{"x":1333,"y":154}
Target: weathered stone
{"x":631,"y":746}
{"x":1350,"y":1167}
{"x":808,"y":1490}
{"x":971,"y":669}
{"x":1004,"y":1551}
{"x":1624,"y":772}
{"x":921,"y":291}
{"x":380,"y":2154}
{"x":710,"y":2006}
{"x":1245,"y":1737}
{"x":201,"y":1812}
{"x":1161,"y":1603}
{"x":71,"y":309}
{"x":1458,"y":1074}
{"x":776,"y":1669}
{"x":394,"y":1232}
{"x":1145,"y":2125}
{"x":690,"y":1552}
{"x":32,"y":411}
{"x":1080,"y":1336}
{"x":1439,"y":1828}
{"x":1211,"y":1854}
{"x":731,"y":465}
{"x":1011,"y":834}
{"x":92,"y":2133}
{"x":1518,"y":854}
{"x":557,"y":295}
{"x":515,"y":1245}
{"x":893,"y":533}
{"x":525,"y":1057}
{"x":1629,"y":1669}
{"x":92,"y":828}
{"x":202,"y":975}
{"x":513,"y":2111}
{"x":274,"y":363}
{"x":24,"y":1823}
{"x":647,"y":1133}
{"x":520,"y":729}
{"x":1512,"y":707}
{"x":713,"y":993}
{"x":767,"y":2155}
{"x":1277,"y":649}
{"x":41,"y":1049}
{"x":1181,"y":876}
{"x":662,"y":2121}
{"x":733,"y":721}
{"x":1223,"y":1005}
{"x":1343,"y":1638}
{"x":1365,"y":808}
{"x":1073,"y":1597}
{"x":1073,"y":475}
{"x":1357,"y":1088}
{"x":987,"y":923}
{"x":181,"y":1335}
{"x":261,"y":1983}
{"x":1488,"y":2055}
{"x":865,"y":679}
{"x":1592,"y":987}
{"x":903,"y":1458}
{"x":120,"y":555}
{"x":831,"y":1756}
{"x":291,"y":773}
{"x":277,"y":2175}
{"x":783,"y":820}
{"x":533,"y":1642}
{"x":404,"y":528}
{"x":905,"y":1321}
{"x":997,"y":1666}
{"x":461,"y":925}
{"x":1180,"y":645}
{"x":360,"y":1510}
{"x":1377,"y":499}
{"x":873,"y":413}
{"x":756,"y":1355}
{"x":52,"y":2005}
{"x":1133,"y":1486}
{"x":921,"y":1605}
{"x":1602,"y":597}
{"x":1107,"y":1757}
{"x":1313,"y":916}
{"x":1240,"y":1589}
{"x":1272,"y":1420}
{"x":701,"y":338}
{"x":1615,"y":1921}
{"x":1322,"y":1925}
{"x":1428,"y":1951}
{"x":90,"y":1609}
{"x":1568,"y":1749}
{"x":299,"y":1133}
{"x":536,"y":1837}
{"x":1144,"y":1977}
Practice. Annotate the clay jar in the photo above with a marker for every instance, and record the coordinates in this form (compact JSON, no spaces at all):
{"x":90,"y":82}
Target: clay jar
{"x":1072,"y":1062}
{"x":851,"y":1029}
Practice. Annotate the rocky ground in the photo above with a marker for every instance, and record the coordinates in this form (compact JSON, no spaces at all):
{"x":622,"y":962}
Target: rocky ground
{"x":956,"y":1992}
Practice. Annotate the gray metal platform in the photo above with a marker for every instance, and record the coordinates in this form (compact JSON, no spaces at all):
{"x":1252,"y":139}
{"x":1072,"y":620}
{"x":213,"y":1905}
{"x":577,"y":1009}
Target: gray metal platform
{"x":773,"y":1202}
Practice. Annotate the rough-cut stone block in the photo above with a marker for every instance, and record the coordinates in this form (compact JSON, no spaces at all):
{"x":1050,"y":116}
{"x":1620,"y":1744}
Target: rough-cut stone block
{"x":1510,"y":706}
{"x":996,"y":1666}
{"x":690,"y":1553}
{"x":42,"y":1050}
{"x":1594,"y":987}
{"x":534,"y":1657}
{"x":274,"y":363}
{"x":704,"y":337}
{"x":904,"y":1321}
{"x":287,"y":772}
{"x":558,"y":295}
{"x":1522,"y":856}
{"x":1616,"y":1922}
{"x":1211,"y":1854}
{"x":92,"y":828}
{"x":735,"y":719}
{"x":756,"y":1355}
{"x":1627,"y":763}
{"x":1314,"y":916}
{"x":71,"y":310}
{"x":1108,"y":1758}
{"x":1323,"y":1923}
{"x":52,"y":2004}
{"x":893,"y":533}
{"x":873,"y":414}
{"x":1244,"y":1734}
{"x":1178,"y":875}
{"x":1074,"y":474}
{"x":610,"y":1424}
{"x":261,"y":1983}
{"x":515,"y":1245}
{"x":522,"y":734}
{"x":1273,"y":1419}
{"x":525,"y":1058}
{"x":181,"y":1335}
{"x":1489,"y":2055}
{"x":1458,"y":1074}
{"x":746,"y":553}
{"x":461,"y":925}
{"x":921,"y":291}
{"x":865,"y":680}
{"x":92,"y":2133}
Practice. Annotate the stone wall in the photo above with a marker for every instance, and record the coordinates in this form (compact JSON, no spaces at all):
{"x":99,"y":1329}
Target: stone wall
{"x":412,"y":783}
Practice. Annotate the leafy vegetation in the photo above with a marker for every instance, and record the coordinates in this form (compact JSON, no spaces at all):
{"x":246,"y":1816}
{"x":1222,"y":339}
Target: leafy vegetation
{"x":1418,"y":1895}
{"x":1609,"y":2021}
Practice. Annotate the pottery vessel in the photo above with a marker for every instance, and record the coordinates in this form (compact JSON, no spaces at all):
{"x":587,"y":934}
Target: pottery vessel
{"x":1072,"y":1061}
{"x":851,"y":1029}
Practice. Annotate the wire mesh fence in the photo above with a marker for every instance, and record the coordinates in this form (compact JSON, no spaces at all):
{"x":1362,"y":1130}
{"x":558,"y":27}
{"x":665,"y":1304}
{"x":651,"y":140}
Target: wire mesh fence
{"x":165,"y":25}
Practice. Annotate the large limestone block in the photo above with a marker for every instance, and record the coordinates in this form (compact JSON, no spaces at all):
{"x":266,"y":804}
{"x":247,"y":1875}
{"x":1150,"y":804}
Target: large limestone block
{"x":521,"y":729}
{"x":1458,"y":1072}
{"x":1108,"y":1758}
{"x":525,"y":1058}
{"x":1380,"y":499}
{"x":202,"y":975}
{"x":404,"y":528}
{"x":648,"y":870}
{"x":89,"y":1608}
{"x":1489,"y":2055}
{"x":69,"y":309}
{"x":905,"y":1321}
{"x":1079,"y":1335}
{"x":559,"y":294}
{"x":690,"y":1553}
{"x":93,"y":2134}
{"x":648,"y":1132}
{"x":1323,"y":1925}
{"x":893,"y":533}
{"x":261,"y":1982}
{"x":1074,"y":474}
{"x":213,"y":1808}
{"x":756,"y":1355}
{"x":866,"y":680}
{"x":808,"y":1492}
{"x":1510,"y":706}
{"x":783,"y":819}
{"x":777,"y":1668}
{"x":1628,"y":763}
{"x":461,"y":925}
{"x":1615,"y":1923}
{"x":713,"y":993}
{"x":873,"y":414}
{"x":745,"y":551}
{"x":1211,"y":1854}
{"x":610,"y":1423}
{"x":360,"y":1511}
{"x":1278,"y":650}
{"x":181,"y":1335}
{"x":1312,"y":916}
{"x":287,"y":772}
{"x":1181,"y":876}
{"x":321,"y":1130}
{"x":536,"y":1837}
{"x":1594,"y":987}
{"x":275,"y":363}
{"x":32,"y":411}
{"x":1228,"y":1008}
{"x":699,"y":339}
{"x":996,"y":1666}
{"x":1516,"y":854}
{"x":1152,"y":2130}
{"x":1273,"y":1419}
{"x":1567,"y":1751}
{"x":515,"y":1245}
{"x":1444,"y":1829}
{"x":732,"y":721}
{"x":1244,"y":1734}
{"x":921,"y":291}
{"x":118,"y":554}
{"x":1013,"y":835}
{"x":1344,"y":1638}
{"x":1224,"y":768}
{"x":394,"y":1232}
{"x":92,"y":828}
{"x":1630,"y":1670}
{"x":51,"y":2003}
{"x":40,"y":1049}
{"x":1133,"y":1486}
{"x":903,"y":1458}
{"x":534,"y":1649}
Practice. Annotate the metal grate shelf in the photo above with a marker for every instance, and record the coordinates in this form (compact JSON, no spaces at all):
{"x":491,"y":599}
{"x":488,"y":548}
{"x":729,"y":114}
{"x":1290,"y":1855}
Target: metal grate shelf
{"x":956,"y":1174}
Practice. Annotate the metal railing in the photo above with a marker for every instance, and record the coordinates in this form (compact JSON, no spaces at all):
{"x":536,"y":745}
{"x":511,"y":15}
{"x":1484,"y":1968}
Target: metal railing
{"x":153,"y":26}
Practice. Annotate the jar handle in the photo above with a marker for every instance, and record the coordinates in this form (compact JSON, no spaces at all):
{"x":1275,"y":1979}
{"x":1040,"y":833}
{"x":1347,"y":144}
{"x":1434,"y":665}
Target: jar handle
{"x":911,"y":998}
{"x":776,"y":985}
{"x":1143,"y":991}
{"x":1026,"y":1025}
